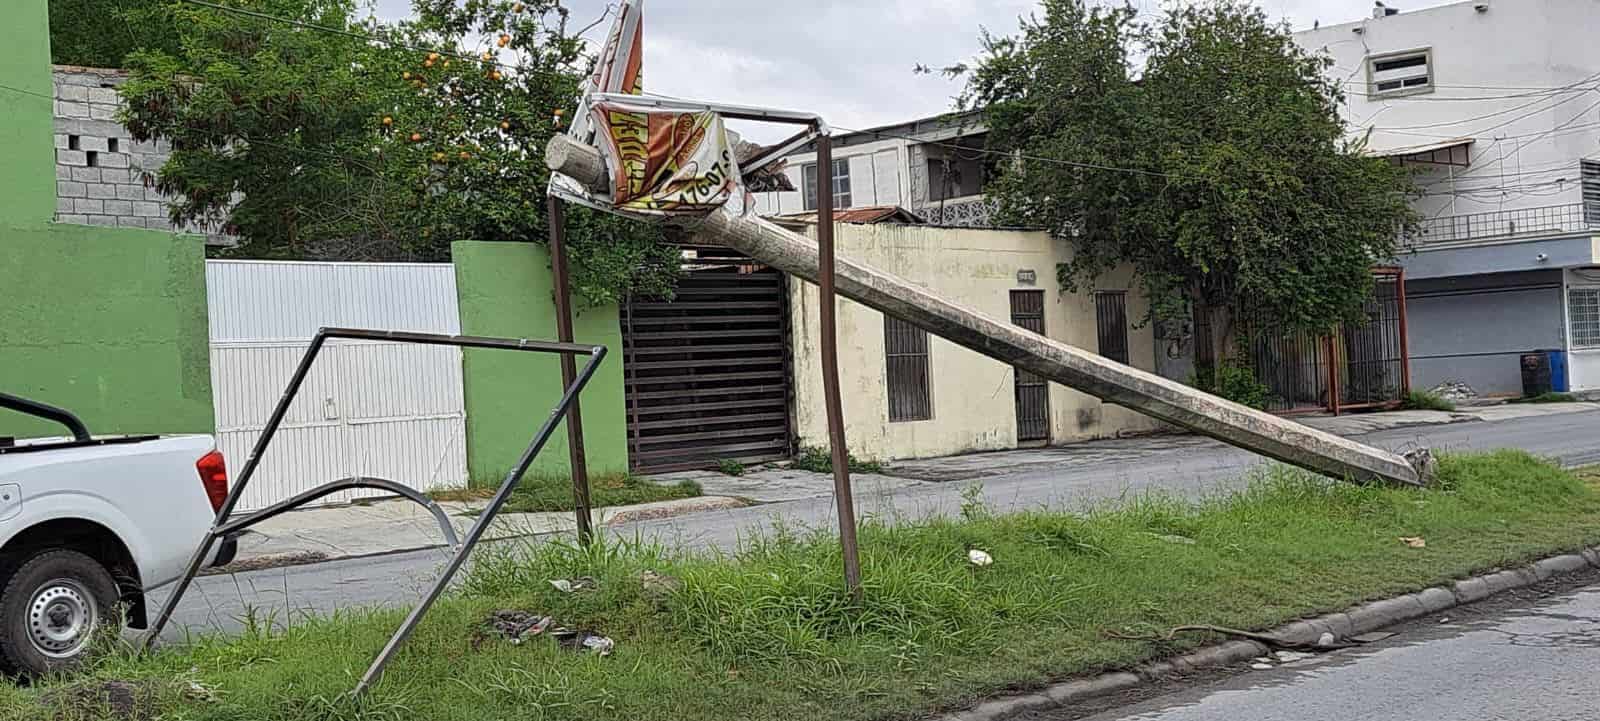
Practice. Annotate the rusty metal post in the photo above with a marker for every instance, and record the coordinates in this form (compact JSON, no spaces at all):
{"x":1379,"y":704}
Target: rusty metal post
{"x":1405,"y":341}
{"x":1333,"y":373}
{"x":563,"y":290}
{"x":830,"y":369}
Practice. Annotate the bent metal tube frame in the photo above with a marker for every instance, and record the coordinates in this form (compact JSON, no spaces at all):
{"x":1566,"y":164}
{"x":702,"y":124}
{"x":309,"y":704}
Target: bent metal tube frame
{"x":225,"y":525}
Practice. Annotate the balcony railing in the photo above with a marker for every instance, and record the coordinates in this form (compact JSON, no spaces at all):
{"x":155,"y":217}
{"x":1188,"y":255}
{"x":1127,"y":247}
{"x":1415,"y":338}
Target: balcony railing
{"x":973,"y":211}
{"x":1503,"y":224}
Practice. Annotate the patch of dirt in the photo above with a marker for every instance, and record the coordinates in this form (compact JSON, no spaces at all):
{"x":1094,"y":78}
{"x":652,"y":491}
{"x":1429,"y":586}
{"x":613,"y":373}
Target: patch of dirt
{"x":259,"y":563}
{"x":675,"y":508}
{"x":112,"y":700}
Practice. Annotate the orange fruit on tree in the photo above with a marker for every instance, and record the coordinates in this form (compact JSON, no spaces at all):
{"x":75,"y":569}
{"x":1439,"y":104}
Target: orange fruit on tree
{"x":387,"y":120}
{"x":416,"y":137}
{"x":466,"y":155}
{"x":427,"y":63}
{"x":504,"y":40}
{"x":433,"y":56}
{"x":517,"y":8}
{"x":494,"y":75}
{"x":505,"y":125}
{"x":487,"y":56}
{"x":438,"y":157}
{"x":405,"y":75}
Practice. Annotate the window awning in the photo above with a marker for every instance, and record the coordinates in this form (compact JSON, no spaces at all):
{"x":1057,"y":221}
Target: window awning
{"x":1444,"y":152}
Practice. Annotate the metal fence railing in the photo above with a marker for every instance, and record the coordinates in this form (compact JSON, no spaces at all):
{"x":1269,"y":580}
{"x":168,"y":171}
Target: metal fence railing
{"x":1569,"y":218}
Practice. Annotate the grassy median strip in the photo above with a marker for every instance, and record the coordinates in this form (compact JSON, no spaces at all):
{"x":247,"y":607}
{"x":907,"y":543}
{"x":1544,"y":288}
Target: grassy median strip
{"x":543,"y":494}
{"x":767,"y":634}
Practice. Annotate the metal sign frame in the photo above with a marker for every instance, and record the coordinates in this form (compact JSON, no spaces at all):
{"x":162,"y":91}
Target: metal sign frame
{"x":225,"y":525}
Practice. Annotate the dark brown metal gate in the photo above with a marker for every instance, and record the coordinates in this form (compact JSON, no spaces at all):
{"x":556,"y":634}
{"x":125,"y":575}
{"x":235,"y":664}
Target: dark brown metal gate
{"x":1033,"y":392}
{"x":707,"y":374}
{"x":1357,"y":366}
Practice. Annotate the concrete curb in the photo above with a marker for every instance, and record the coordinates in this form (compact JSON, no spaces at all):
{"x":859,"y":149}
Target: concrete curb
{"x":1357,"y":620}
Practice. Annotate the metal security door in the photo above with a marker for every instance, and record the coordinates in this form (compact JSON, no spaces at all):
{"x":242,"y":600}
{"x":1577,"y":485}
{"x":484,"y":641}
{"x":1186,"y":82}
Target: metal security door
{"x":707,"y":374}
{"x":379,"y":410}
{"x":1033,"y":392}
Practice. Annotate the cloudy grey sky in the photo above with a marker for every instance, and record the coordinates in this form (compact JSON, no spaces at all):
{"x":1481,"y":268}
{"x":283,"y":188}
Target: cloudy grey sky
{"x":770,"y":52}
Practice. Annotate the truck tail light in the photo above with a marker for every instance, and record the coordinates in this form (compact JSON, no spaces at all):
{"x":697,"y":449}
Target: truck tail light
{"x":214,"y":476}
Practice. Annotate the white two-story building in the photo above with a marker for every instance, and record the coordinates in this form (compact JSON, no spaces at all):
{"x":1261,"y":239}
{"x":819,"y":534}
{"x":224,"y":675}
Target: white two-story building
{"x":1496,"y":105}
{"x":933,"y":167}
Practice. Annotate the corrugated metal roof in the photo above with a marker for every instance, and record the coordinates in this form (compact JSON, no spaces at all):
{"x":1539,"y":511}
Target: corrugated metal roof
{"x":864,"y":216}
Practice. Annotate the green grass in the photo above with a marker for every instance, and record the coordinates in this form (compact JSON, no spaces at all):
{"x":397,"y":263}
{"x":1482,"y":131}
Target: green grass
{"x":1426,"y":401}
{"x":1551,"y":397}
{"x":766,"y":633}
{"x":731,"y":467}
{"x":555,"y":494}
{"x":819,"y":460}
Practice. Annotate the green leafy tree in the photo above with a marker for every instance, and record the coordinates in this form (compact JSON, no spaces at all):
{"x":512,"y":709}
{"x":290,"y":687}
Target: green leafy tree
{"x":1220,"y":171}
{"x":101,"y":33}
{"x":351,"y":139}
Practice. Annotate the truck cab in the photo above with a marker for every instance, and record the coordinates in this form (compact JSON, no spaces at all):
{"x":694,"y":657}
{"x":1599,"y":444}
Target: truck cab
{"x":89,"y":525}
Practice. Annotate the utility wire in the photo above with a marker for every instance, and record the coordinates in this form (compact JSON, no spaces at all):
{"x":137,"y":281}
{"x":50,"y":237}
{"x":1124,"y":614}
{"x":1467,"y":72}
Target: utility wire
{"x":1021,"y":156}
{"x":1571,"y":94}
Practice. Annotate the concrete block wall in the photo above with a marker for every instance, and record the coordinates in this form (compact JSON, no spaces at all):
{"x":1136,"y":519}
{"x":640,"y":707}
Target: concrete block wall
{"x":104,"y":177}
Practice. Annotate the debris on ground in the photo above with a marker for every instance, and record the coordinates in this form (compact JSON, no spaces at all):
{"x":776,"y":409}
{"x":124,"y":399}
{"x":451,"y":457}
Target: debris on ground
{"x":1261,"y":666}
{"x":580,"y":640}
{"x":276,"y":560}
{"x":1414,"y":541}
{"x":658,"y":585}
{"x":196,"y":691}
{"x":573,"y":585}
{"x":1454,"y":391}
{"x":1292,"y":656}
{"x":979,"y":558}
{"x":1373,"y":637}
{"x":119,"y":700}
{"x":513,"y":626}
{"x":1324,"y":643}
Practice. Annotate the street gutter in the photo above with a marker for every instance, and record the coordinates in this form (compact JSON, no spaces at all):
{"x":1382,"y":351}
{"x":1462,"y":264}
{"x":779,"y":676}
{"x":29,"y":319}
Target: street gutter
{"x":1343,"y":625}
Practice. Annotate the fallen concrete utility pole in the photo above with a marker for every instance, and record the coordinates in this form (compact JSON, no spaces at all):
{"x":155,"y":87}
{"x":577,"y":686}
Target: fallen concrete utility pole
{"x":1074,"y":367}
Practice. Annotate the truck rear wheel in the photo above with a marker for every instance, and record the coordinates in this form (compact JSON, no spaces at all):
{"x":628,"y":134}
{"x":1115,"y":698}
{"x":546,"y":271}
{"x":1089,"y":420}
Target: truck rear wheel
{"x":51,"y":610}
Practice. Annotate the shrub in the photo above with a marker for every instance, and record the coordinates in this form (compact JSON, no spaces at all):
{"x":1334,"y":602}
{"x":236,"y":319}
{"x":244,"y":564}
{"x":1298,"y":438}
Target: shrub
{"x":1426,"y":401}
{"x":1234,"y":382}
{"x":819,"y":460}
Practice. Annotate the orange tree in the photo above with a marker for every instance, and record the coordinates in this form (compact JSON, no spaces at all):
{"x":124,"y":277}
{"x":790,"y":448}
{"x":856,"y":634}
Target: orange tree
{"x":310,"y":133}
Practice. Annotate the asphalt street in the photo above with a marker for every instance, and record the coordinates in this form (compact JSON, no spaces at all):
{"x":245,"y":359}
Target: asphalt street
{"x":1531,"y":663}
{"x":1065,"y":476}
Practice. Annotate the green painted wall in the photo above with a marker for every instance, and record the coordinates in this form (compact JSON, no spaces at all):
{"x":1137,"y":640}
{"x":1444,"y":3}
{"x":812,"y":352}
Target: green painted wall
{"x":506,"y":290}
{"x":109,"y":323}
{"x":27,"y":177}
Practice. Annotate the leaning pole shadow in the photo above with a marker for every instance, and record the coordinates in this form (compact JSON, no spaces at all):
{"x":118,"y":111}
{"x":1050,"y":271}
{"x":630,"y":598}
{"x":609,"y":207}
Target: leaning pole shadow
{"x":225,"y":525}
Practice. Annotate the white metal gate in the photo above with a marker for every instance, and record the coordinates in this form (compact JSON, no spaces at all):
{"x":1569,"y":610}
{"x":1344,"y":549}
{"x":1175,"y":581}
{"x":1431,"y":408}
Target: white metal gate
{"x":382,"y":410}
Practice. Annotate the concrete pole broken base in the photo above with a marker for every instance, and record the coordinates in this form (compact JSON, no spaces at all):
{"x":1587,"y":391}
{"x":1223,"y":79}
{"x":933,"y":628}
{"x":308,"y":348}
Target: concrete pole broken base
{"x":1073,"y":367}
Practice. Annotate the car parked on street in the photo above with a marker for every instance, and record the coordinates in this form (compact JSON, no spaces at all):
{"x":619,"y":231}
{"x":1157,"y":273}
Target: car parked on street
{"x":88,"y":526}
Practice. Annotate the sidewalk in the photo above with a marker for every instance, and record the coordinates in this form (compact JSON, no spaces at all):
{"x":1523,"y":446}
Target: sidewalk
{"x":396,"y":525}
{"x":392,"y":526}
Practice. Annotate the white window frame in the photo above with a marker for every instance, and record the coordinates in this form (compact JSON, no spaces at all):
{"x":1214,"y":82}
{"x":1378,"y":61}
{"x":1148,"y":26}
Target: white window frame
{"x":808,"y":191}
{"x":1374,"y":76}
{"x":1589,"y":338}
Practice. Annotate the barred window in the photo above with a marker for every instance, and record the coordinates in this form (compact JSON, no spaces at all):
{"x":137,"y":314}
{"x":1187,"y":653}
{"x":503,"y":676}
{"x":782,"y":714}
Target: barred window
{"x":1583,"y":310}
{"x":906,"y":347}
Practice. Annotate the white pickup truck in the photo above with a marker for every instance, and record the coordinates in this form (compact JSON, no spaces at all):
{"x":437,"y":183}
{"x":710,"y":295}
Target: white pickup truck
{"x":87,"y":526}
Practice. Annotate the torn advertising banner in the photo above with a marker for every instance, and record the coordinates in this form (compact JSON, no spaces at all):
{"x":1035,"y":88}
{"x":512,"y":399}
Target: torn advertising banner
{"x":668,"y":162}
{"x":661,"y":163}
